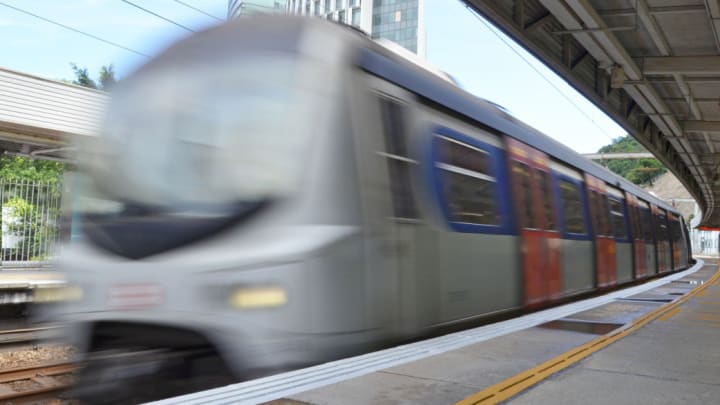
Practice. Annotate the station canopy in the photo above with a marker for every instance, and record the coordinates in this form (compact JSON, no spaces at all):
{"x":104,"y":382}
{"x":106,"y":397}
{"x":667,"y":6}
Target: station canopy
{"x":652,"y":65}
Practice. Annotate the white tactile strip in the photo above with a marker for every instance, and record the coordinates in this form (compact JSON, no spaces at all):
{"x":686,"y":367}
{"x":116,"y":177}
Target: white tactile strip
{"x":289,"y":383}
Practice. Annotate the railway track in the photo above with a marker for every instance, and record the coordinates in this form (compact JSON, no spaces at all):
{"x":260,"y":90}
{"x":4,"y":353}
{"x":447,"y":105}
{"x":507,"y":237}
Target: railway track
{"x":21,"y":335}
{"x":30,"y":384}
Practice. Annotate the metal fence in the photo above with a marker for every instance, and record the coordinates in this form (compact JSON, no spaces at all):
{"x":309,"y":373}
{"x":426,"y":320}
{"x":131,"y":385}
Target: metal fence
{"x":705,"y":243}
{"x":30,"y":223}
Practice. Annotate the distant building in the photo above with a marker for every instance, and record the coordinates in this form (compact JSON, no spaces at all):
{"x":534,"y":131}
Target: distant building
{"x":237,"y":8}
{"x":399,"y":21}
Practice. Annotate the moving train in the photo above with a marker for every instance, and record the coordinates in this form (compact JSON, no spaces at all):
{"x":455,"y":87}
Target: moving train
{"x":281,"y":191}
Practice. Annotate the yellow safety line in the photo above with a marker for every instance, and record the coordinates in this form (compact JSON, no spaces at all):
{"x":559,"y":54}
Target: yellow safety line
{"x":520,"y":382}
{"x":669,"y":314}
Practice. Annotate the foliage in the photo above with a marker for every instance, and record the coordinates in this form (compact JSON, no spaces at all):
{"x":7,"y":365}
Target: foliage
{"x":35,"y":228}
{"x":20,"y":216}
{"x":82,"y":77}
{"x":105,"y":81}
{"x":638,"y":171}
{"x":17,"y":168}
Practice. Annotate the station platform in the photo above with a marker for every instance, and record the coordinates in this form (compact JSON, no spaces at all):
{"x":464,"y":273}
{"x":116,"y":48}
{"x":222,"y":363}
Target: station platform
{"x":17,"y":286}
{"x":660,"y":346}
{"x":653,"y":343}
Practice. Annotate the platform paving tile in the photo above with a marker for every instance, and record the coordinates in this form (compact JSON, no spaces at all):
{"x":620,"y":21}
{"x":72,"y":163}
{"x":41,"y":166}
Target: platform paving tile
{"x":674,"y":359}
{"x":383,"y":388}
{"x":586,"y":386}
{"x":616,"y":312}
{"x":442,"y":377}
{"x":489,"y":362}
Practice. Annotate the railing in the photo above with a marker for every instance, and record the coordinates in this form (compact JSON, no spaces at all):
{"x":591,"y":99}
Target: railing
{"x":30,"y":223}
{"x":705,"y":242}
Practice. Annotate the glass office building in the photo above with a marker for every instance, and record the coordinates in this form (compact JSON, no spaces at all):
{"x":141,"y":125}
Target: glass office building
{"x":399,"y":21}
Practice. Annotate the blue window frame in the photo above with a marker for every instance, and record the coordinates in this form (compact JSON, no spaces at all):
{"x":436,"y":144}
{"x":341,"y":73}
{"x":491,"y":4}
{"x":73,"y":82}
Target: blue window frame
{"x":469,"y":183}
{"x":573,"y":207}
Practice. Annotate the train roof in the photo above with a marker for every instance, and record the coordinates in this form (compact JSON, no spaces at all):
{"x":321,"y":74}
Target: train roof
{"x":381,"y":63}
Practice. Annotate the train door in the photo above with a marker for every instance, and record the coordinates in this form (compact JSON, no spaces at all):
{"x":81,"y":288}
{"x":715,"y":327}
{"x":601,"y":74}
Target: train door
{"x":539,"y":237}
{"x":387,"y":165}
{"x":662,"y":242}
{"x":675,"y":238}
{"x":620,"y":229}
{"x":636,"y":235}
{"x":685,"y":244}
{"x":647,"y":228}
{"x":605,"y":269}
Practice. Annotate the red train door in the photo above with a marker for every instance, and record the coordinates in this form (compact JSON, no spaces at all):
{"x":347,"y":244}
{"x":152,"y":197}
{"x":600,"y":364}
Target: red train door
{"x":662,"y":245}
{"x":537,"y":223}
{"x":672,"y":236}
{"x":605,"y":263}
{"x":638,"y":240}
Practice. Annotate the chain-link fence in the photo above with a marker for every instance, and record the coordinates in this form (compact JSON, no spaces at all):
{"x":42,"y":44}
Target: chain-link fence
{"x":30,"y":223}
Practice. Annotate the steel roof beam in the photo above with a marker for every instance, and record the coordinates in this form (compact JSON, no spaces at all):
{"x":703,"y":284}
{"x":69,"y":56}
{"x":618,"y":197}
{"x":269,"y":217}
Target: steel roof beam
{"x":713,"y":8}
{"x":701,"y":126}
{"x":686,"y":65}
{"x":700,"y":100}
{"x":629,"y":12}
{"x":628,"y":155}
{"x":605,"y":48}
{"x":658,"y":38}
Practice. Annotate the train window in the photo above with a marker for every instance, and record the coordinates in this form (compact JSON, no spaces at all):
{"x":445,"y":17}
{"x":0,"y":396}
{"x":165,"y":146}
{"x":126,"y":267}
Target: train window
{"x":469,"y":189}
{"x":646,"y":224}
{"x":618,"y":219}
{"x":521,"y":172}
{"x":661,"y":227}
{"x":464,"y":156}
{"x":676,"y":231}
{"x":399,"y":165}
{"x":572,"y":207}
{"x":543,"y":179}
{"x":393,"y":119}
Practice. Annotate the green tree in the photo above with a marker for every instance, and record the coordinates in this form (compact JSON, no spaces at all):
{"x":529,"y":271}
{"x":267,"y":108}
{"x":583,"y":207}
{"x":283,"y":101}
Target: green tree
{"x":105,"y":81}
{"x":17,"y":168}
{"x":82,"y":77}
{"x":107,"y":77}
{"x":638,"y":171}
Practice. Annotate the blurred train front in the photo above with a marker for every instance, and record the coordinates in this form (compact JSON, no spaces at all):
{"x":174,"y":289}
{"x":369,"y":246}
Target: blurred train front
{"x":220,"y":218}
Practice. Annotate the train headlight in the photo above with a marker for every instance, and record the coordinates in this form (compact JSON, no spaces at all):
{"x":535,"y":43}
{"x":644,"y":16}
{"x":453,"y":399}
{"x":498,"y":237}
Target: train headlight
{"x":257,"y":297}
{"x":57,"y":294}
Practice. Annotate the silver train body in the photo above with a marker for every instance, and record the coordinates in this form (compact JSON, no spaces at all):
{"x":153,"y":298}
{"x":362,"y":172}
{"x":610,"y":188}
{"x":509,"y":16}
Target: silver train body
{"x":278,"y":192}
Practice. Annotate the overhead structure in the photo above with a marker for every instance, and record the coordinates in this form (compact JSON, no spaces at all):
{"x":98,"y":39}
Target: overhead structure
{"x":39,"y":118}
{"x":652,"y":65}
{"x":618,"y":155}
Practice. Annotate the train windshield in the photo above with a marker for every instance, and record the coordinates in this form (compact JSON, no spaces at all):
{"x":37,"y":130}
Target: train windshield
{"x":200,"y":141}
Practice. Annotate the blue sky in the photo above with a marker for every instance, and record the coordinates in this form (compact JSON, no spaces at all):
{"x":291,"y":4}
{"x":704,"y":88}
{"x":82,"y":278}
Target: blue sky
{"x":457,"y":42}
